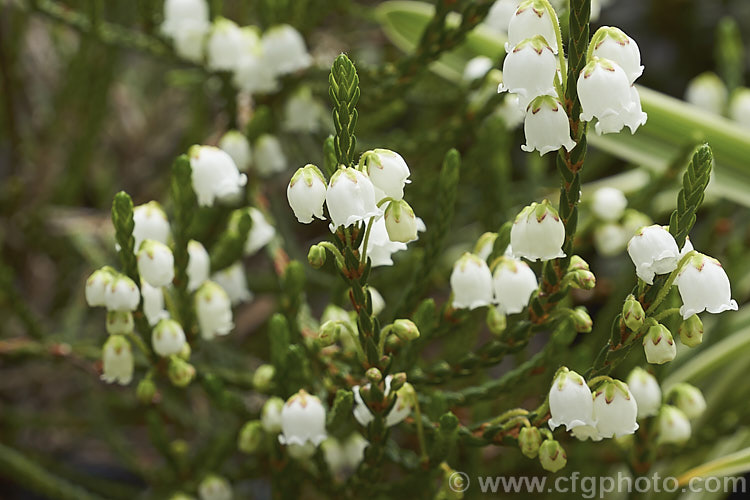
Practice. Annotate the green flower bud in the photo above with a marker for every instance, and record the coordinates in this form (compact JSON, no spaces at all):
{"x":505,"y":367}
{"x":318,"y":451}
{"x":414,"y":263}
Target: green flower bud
{"x":496,"y":321}
{"x":316,"y":256}
{"x":330,"y":332}
{"x":263,"y":378}
{"x":689,"y":399}
{"x":552,"y":456}
{"x":659,"y":345}
{"x":119,"y":322}
{"x":374,"y":375}
{"x":565,"y":332}
{"x":180,"y":372}
{"x":577,"y":263}
{"x":529,"y":440}
{"x":185,"y":352}
{"x":400,"y":222}
{"x":146,"y":391}
{"x":581,"y":279}
{"x":581,"y":320}
{"x":691,"y":331}
{"x":397,"y":381}
{"x":251,"y":437}
{"x":632,"y":313}
{"x":405,"y":329}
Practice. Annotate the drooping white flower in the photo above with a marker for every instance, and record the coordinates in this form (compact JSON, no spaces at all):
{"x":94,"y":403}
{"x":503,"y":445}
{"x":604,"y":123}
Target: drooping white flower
{"x":615,"y":410}
{"x":214,"y":174}
{"x":269,"y":156}
{"x":546,"y":126}
{"x":306,"y":193}
{"x":476,"y":68}
{"x":189,"y":40}
{"x":350,"y":197}
{"x":153,"y":303}
{"x":302,"y":112}
{"x":674,"y":426}
{"x":484,"y":245}
{"x":167,"y":338}
{"x":610,"y":239}
{"x":531,"y":19}
{"x":117,"y":360}
{"x":653,"y":251}
{"x":529,"y":70}
{"x":631,"y":116}
{"x":646,"y":391}
{"x":538,"y":233}
{"x":689,"y":399}
{"x":199,"y":265}
{"x":380,"y":248}
{"x":471,"y":282}
{"x":659,"y":346}
{"x":155,"y":263}
{"x":233,"y":281}
{"x":215,"y":487}
{"x":252,"y":74}
{"x":708,"y":92}
{"x":270,"y":416}
{"x":613,"y":44}
{"x":400,"y":222}
{"x":303,"y":420}
{"x":513,"y":282}
{"x":511,"y":112}
{"x":498,"y":18}
{"x":609,"y":204}
{"x":739,"y":106}
{"x":225,"y":45}
{"x":178,"y":11}
{"x":378,"y":302}
{"x":121,"y":294}
{"x":96,"y":286}
{"x":387,"y":170}
{"x":119,"y":322}
{"x":150,"y":223}
{"x":284,"y":49}
{"x":398,"y":413}
{"x":704,"y":286}
{"x":214,"y":310}
{"x":261,"y":232}
{"x":344,"y":456}
{"x":237,"y":146}
{"x":570,"y":401}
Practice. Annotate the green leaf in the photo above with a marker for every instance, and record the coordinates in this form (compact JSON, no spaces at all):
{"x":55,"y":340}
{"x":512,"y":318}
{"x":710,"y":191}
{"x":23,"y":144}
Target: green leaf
{"x":729,"y":465}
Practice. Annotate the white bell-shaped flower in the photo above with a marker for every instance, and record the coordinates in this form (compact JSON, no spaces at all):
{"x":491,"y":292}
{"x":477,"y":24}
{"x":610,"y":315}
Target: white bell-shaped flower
{"x":150,"y":223}
{"x":167,"y":338}
{"x":659,"y":346}
{"x":380,"y":248}
{"x":214,"y":487}
{"x":214,"y":174}
{"x":615,"y":410}
{"x":350,"y":197}
{"x":224,"y":46}
{"x":155,"y":263}
{"x":606,"y":94}
{"x":177,"y":12}
{"x":529,"y":71}
{"x":269,"y":156}
{"x":306,"y":193}
{"x":513,"y":282}
{"x":646,"y":391}
{"x":237,"y":146}
{"x":214,"y":310}
{"x":471,"y":282}
{"x":674,"y":426}
{"x":199,"y":265}
{"x":538,"y":233}
{"x":704,"y":286}
{"x":285,"y":49}
{"x":153,"y":303}
{"x":570,"y":401}
{"x":613,"y":44}
{"x":739,"y":106}
{"x":117,"y":360}
{"x":189,"y":40}
{"x":610,"y":239}
{"x":530,"y":19}
{"x":653,"y":250}
{"x":253,"y":75}
{"x":585,"y":432}
{"x":378,"y":302}
{"x":708,"y":92}
{"x":96,"y":286}
{"x":122,"y":294}
{"x":476,"y":68}
{"x":261,"y":232}
{"x":303,"y":420}
{"x":546,"y":126}
{"x":631,"y":116}
{"x":401,"y":409}
{"x":344,"y":456}
{"x":500,"y":14}
{"x":400,"y":222}
{"x":234,"y":282}
{"x":689,"y":399}
{"x":303,"y":112}
{"x":270,"y":415}
{"x":387,"y":170}
{"x":609,"y":204}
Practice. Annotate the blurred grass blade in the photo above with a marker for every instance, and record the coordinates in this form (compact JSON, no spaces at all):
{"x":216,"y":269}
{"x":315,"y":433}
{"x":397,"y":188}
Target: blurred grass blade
{"x":729,"y":465}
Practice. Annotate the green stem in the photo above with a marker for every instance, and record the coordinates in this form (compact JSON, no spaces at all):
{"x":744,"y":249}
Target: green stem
{"x":420,"y":431}
{"x":334,"y":251}
{"x":558,"y":38}
{"x":367,"y":240}
{"x":670,"y":281}
{"x":667,"y":312}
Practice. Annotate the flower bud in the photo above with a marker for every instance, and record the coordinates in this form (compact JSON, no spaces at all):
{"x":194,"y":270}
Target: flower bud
{"x":263,"y":377}
{"x":513,"y":283}
{"x":546,"y":126}
{"x":552,"y":456}
{"x":214,"y":174}
{"x":185,"y":352}
{"x":350,"y":197}
{"x":400,"y":410}
{"x":215,"y":487}
{"x":146,"y":391}
{"x":285,"y":50}
{"x":659,"y":345}
{"x":251,"y":436}
{"x":632,"y":313}
{"x":704,"y":286}
{"x":708,"y":92}
{"x":689,"y":399}
{"x":653,"y":251}
{"x":150,"y":223}
{"x":405,"y":329}
{"x":303,"y":420}
{"x":374,"y":375}
{"x":380,"y":248}
{"x":117,"y":360}
{"x":615,"y":410}
{"x":577,"y":263}
{"x":646,"y":391}
{"x":609,"y":204}
{"x":330,"y":332}
{"x":471,"y":282}
{"x":234,"y":282}
{"x":237,"y":146}
{"x":529,"y":440}
{"x":691,"y":331}
{"x":570,"y":401}
{"x":306,"y":193}
{"x":155,"y":263}
{"x":214,"y":310}
{"x":96,"y":286}
{"x":529,"y":71}
{"x":581,"y":320}
{"x":613,"y":44}
{"x":388,"y":172}
{"x":180,"y":372}
{"x":583,"y":280}
{"x":119,"y":322}
{"x":270,"y":415}
{"x":538,"y":233}
{"x":496,"y":321}
{"x":398,"y":380}
{"x":269,"y":156}
{"x":674,"y":426}
{"x":199,"y":265}
{"x":400,"y":222}
{"x":530,"y":19}
{"x":121,"y":294}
